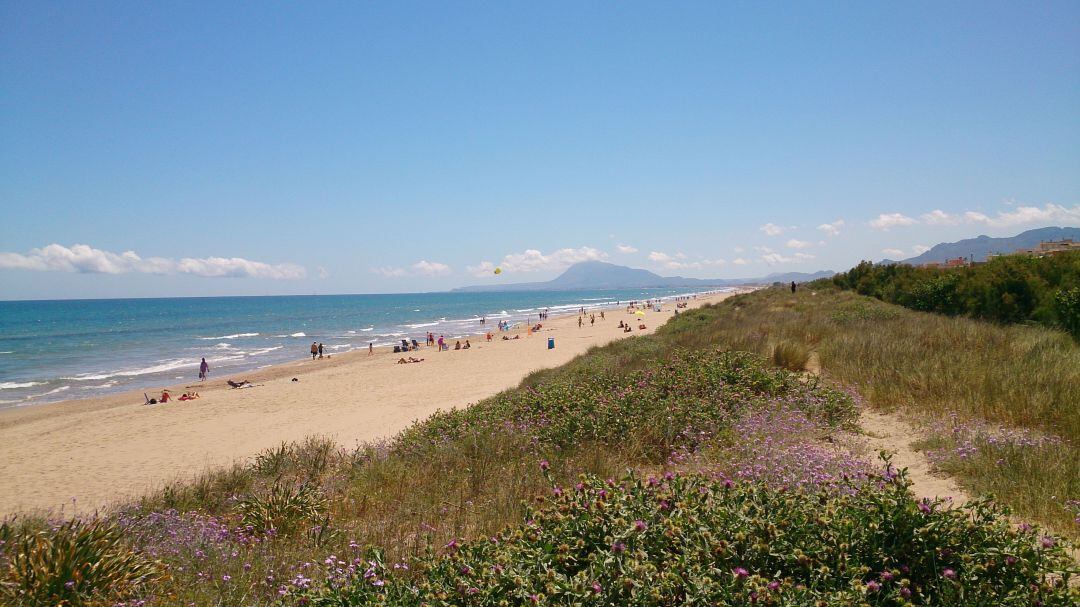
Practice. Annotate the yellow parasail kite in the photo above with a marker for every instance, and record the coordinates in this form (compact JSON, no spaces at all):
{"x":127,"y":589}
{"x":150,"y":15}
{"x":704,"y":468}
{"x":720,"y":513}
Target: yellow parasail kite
{"x":498,"y":270}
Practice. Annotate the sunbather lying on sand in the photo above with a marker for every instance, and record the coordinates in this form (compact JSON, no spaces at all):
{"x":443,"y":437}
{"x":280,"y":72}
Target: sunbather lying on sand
{"x":402,"y":361}
{"x":241,"y":384}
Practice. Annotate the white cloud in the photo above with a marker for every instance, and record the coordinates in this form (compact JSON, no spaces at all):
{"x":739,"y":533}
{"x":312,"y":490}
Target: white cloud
{"x":893,"y":252}
{"x":323,"y":274}
{"x":763,"y":249}
{"x":920,"y":249}
{"x":1047,"y":214}
{"x":832,"y":229}
{"x":532,"y":260}
{"x":798,"y":244}
{"x":672,"y":262}
{"x":771,"y":229}
{"x":739,"y":249}
{"x":420,"y":268}
{"x":625,"y":248}
{"x":88,"y":260}
{"x":937,"y":217}
{"x":776,"y":258}
{"x":739,"y":261}
{"x":891,"y":220}
{"x":1050,"y":213}
{"x":484,"y":268}
{"x":431,"y":268}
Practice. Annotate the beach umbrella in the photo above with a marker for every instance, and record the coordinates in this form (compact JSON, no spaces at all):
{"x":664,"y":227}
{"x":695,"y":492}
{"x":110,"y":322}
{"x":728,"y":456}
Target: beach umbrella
{"x":640,"y":312}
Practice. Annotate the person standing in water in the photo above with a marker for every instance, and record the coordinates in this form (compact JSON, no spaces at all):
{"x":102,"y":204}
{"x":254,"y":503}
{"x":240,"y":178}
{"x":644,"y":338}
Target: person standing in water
{"x":203,"y":370}
{"x":314,"y":350}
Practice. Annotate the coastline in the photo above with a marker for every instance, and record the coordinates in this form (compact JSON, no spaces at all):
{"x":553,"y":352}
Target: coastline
{"x":87,"y":454}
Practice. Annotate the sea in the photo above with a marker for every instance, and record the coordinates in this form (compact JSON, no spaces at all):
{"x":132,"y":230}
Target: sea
{"x":70,"y":349}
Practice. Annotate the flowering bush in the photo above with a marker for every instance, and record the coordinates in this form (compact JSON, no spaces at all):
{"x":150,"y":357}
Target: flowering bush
{"x":691,"y":540}
{"x":681,"y":402}
{"x":72,"y":563}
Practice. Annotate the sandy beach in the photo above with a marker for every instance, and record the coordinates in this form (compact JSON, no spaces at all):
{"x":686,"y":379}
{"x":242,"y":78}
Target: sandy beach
{"x":88,"y":454}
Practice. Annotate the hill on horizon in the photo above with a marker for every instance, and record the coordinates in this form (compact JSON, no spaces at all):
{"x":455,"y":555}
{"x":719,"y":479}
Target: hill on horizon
{"x":603,"y":275}
{"x":982,"y":246}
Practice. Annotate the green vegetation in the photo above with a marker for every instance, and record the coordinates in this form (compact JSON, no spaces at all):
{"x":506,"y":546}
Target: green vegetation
{"x":1001,"y":403}
{"x":1009,"y":289}
{"x":73,"y":563}
{"x":739,"y":481}
{"x":693,"y":541}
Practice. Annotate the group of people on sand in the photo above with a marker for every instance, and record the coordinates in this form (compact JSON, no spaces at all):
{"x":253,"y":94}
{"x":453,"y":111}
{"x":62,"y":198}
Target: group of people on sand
{"x":317,"y":350}
{"x":166,"y":396}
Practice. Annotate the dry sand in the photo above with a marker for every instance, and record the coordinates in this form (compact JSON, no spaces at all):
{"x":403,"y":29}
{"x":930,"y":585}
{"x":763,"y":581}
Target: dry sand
{"x":90,"y":453}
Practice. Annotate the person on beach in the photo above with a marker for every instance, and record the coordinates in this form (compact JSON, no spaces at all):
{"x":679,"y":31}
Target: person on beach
{"x":314,"y":350}
{"x":370,"y":348}
{"x":467,"y":345}
{"x":579,"y":322}
{"x":601,"y":315}
{"x":203,"y":370}
{"x":489,"y":335}
{"x":320,"y":350}
{"x":164,"y":396}
{"x":442,"y":344}
{"x":457,"y":346}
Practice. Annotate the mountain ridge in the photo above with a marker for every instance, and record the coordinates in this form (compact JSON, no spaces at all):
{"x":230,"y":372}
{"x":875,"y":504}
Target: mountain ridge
{"x":981,"y":246}
{"x":604,"y":275}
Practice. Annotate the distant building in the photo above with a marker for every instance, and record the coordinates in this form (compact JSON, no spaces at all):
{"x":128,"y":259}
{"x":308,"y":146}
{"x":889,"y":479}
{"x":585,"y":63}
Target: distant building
{"x":958,"y":262}
{"x":1051,"y":247}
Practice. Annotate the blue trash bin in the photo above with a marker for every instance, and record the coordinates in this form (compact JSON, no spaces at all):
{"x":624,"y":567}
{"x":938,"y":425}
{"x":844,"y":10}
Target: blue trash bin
{"x":551,"y":343}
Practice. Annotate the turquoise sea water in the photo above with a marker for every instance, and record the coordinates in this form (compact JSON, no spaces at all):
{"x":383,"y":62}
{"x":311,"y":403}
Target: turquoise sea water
{"x":58,"y":350}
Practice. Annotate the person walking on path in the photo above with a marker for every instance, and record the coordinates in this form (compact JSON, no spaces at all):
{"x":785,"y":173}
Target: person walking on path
{"x":314,"y":350}
{"x":793,"y":286}
{"x":203,"y":370}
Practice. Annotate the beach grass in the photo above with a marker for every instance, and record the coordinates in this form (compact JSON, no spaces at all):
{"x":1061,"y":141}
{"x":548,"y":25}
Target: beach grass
{"x":695,"y":423}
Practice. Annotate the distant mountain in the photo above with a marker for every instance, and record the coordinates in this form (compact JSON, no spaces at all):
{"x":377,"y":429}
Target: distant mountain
{"x":979,"y":248}
{"x":602,"y":275}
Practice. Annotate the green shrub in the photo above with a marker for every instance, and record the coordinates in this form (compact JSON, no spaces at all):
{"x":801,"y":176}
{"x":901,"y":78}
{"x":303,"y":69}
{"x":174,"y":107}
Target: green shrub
{"x":693,"y":541}
{"x":1067,"y":307}
{"x":790,"y":355}
{"x":75,"y":563}
{"x":284,"y":509}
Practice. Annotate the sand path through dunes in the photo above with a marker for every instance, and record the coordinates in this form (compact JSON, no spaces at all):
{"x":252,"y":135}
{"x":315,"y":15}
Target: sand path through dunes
{"x":887,"y":432}
{"x":103,"y":450}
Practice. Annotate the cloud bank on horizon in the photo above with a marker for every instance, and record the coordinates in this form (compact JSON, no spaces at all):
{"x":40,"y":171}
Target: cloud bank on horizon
{"x":85,"y":259}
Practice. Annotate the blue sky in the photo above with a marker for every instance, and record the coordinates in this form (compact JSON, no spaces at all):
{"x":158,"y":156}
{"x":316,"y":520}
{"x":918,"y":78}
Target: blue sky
{"x":343,"y":148}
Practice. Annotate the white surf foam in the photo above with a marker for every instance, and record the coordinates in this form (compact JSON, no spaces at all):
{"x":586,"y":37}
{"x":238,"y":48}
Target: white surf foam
{"x":233,"y":336}
{"x":13,"y":385}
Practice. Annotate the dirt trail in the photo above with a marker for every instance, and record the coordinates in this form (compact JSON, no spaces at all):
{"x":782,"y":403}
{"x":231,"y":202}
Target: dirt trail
{"x":887,"y":432}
